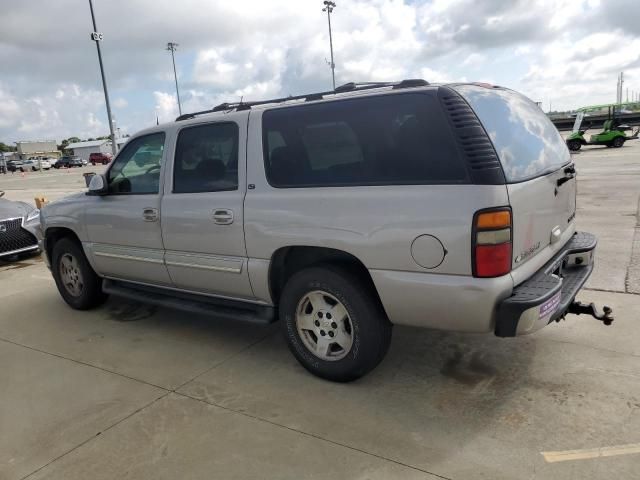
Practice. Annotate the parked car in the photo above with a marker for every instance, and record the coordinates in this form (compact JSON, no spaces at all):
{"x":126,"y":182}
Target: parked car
{"x":15,"y":166}
{"x":35,"y":164}
{"x":341,"y":213}
{"x":68,"y":162}
{"x":99,"y":158}
{"x":19,"y":223}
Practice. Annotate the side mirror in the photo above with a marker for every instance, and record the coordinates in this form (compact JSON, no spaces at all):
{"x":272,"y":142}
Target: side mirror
{"x":98,"y":185}
{"x":1,"y":193}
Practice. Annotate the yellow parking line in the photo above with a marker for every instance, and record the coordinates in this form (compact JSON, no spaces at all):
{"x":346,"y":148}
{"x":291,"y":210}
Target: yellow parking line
{"x":563,"y":456}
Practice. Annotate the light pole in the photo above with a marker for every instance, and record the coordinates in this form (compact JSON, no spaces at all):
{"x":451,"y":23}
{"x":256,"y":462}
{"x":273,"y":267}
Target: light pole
{"x":171,"y":46}
{"x":97,"y":37}
{"x":328,"y":7}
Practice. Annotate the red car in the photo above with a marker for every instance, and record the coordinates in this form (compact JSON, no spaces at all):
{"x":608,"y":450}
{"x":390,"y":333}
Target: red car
{"x":99,"y":158}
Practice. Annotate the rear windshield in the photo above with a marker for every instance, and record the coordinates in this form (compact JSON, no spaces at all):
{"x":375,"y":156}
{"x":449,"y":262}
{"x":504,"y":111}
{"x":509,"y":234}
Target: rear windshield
{"x":526,"y":141}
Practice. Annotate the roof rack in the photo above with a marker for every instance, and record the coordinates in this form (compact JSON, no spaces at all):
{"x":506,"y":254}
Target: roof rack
{"x":309,"y":97}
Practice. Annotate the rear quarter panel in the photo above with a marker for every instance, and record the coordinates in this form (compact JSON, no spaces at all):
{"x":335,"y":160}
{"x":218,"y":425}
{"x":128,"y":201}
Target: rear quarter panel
{"x":376,"y":224}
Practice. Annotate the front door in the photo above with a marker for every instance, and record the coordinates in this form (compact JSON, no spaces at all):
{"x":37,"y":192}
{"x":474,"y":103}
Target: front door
{"x":123,"y":227}
{"x":202,"y":210}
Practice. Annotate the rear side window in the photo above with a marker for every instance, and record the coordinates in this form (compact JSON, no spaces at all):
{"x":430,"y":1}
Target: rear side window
{"x":383,"y":140}
{"x":526,"y":141}
{"x":206,"y":159}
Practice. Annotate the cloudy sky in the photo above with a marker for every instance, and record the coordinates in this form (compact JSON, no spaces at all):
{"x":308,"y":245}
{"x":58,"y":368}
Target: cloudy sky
{"x":567,"y":52}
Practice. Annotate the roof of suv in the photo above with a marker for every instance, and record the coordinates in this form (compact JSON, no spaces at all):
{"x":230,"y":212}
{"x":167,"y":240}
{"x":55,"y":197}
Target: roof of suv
{"x":348,"y":90}
{"x":344,"y":91}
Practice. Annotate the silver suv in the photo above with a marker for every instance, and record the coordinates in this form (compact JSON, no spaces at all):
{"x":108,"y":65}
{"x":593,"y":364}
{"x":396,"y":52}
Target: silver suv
{"x":341,"y":213}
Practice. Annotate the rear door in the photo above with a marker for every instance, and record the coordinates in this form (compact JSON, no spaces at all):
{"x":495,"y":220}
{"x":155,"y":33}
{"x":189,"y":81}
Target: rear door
{"x":537,"y":166}
{"x":202,"y":209}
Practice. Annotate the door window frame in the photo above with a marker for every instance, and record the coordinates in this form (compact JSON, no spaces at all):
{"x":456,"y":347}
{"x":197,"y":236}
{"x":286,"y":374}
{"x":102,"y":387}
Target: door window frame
{"x":241,"y":119}
{"x":162,"y":164}
{"x":238,"y":159}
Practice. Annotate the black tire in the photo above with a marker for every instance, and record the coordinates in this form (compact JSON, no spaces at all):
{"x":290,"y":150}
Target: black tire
{"x":91,"y":294}
{"x":22,"y":169}
{"x":574,"y":145}
{"x":370,"y":329}
{"x":617,"y":142}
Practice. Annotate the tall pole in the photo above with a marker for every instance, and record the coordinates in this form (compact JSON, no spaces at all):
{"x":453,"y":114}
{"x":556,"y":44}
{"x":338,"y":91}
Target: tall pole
{"x":97,"y":37}
{"x":329,"y":6}
{"x":171,"y":46}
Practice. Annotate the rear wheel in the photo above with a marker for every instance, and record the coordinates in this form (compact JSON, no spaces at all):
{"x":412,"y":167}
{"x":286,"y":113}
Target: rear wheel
{"x":334,"y":324}
{"x":77,"y":283}
{"x":618,"y":142}
{"x":574,"y":145}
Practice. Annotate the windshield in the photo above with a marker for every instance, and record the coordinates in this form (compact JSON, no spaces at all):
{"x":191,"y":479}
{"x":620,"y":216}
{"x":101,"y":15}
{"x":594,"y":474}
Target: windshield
{"x":526,"y":141}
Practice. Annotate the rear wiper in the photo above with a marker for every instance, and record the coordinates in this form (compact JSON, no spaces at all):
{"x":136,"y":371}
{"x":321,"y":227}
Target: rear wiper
{"x":569,"y":173}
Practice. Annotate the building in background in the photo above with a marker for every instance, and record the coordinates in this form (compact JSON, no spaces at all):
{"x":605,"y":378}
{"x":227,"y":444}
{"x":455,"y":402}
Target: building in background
{"x":37,"y":148}
{"x":84,"y":149}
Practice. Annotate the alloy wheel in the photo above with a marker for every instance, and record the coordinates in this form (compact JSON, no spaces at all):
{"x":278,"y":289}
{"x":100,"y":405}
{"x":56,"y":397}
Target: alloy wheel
{"x":324,"y":325}
{"x":71,"y":275}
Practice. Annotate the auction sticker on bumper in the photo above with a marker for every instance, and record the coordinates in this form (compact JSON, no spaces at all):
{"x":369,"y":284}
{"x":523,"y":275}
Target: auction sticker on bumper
{"x":548,"y":307}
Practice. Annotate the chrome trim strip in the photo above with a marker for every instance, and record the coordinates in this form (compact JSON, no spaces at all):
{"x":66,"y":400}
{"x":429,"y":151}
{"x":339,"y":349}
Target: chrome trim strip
{"x":127,"y":257}
{"x":20,"y":250}
{"x":204,"y":267}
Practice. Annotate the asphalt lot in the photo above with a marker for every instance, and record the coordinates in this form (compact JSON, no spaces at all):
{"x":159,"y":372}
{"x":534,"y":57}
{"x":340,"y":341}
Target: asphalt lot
{"x":131,"y":391}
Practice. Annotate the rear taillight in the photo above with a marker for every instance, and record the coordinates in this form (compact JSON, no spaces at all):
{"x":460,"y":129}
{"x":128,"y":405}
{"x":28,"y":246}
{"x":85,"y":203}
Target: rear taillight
{"x":491,"y":242}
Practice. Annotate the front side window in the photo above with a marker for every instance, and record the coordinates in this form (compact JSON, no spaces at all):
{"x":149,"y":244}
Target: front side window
{"x":206,"y":159}
{"x":136,"y":169}
{"x":400,"y":139}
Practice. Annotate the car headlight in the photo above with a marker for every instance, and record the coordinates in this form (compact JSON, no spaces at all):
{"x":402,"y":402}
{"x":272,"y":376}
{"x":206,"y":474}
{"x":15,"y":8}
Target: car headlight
{"x":33,"y":215}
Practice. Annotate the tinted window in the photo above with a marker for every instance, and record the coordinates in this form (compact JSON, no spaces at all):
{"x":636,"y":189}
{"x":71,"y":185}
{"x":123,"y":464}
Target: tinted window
{"x":137,"y":168}
{"x":383,"y":140}
{"x":526,"y":141}
{"x":206,"y":159}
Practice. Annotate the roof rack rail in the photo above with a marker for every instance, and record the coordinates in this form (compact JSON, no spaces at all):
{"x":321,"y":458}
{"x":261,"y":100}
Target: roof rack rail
{"x":308,"y":97}
{"x":411,"y":82}
{"x":351,"y":86}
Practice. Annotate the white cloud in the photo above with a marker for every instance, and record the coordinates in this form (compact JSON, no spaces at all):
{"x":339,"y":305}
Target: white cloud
{"x":9,"y":109}
{"x":48,"y":115}
{"x":571,"y":77}
{"x":166,"y":106}
{"x":120,"y":103}
{"x":474,"y":60}
{"x":255,"y":49}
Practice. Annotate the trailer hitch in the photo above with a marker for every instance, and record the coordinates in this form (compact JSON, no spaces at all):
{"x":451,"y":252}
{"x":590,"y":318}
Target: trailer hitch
{"x":605,"y":316}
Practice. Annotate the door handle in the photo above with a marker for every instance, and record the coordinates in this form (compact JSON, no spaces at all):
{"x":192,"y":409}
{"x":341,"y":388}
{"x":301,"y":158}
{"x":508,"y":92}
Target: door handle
{"x":150,"y":214}
{"x":223,"y":216}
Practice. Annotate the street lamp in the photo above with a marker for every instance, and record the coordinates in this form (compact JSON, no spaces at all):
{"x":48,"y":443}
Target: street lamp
{"x":328,"y":7}
{"x":97,"y":37}
{"x":171,"y":46}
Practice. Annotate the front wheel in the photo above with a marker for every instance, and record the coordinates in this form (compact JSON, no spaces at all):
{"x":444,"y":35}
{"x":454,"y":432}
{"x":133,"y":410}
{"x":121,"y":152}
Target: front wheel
{"x":77,"y":283}
{"x":334,"y":323}
{"x":574,"y":145}
{"x":618,"y":142}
